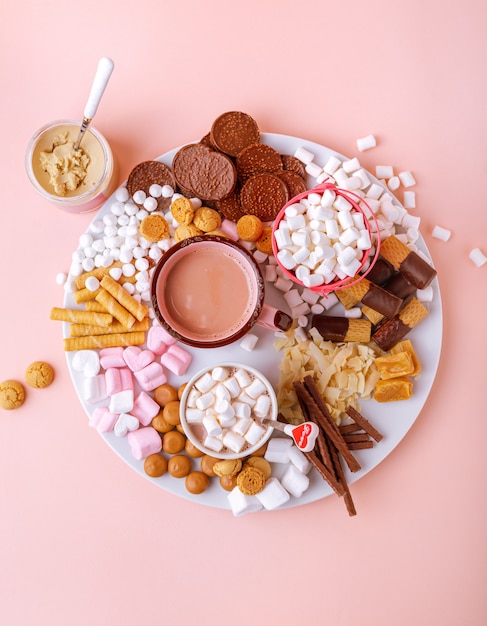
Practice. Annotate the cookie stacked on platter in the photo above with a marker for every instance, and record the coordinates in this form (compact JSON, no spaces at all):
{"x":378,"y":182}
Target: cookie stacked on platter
{"x":230,"y":170}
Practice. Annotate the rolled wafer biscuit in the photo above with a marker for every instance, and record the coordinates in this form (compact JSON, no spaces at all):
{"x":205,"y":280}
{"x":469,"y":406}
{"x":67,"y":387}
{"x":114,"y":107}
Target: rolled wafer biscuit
{"x":138,"y":310}
{"x":84,"y":330}
{"x":395,"y":329}
{"x":374,"y":316}
{"x":80,"y":296}
{"x":81,"y":317}
{"x":98,"y":272}
{"x":96,"y":307}
{"x":372,"y":295}
{"x":335,"y":328}
{"x":415,"y":269}
{"x":116,"y":309}
{"x":104,"y":341}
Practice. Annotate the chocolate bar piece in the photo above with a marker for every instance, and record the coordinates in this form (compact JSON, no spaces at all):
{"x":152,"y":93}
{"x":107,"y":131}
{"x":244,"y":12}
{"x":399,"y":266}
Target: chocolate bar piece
{"x":381,"y":271}
{"x":400,"y":286}
{"x":336,"y":328}
{"x":415,"y":269}
{"x":371,"y":295}
{"x":395,"y":329}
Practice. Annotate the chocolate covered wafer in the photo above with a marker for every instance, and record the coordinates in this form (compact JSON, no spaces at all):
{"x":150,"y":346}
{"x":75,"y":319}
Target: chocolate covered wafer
{"x":415,"y":269}
{"x":381,"y":271}
{"x":336,"y":328}
{"x":256,"y":159}
{"x":400,"y":286}
{"x":293,"y":164}
{"x":395,"y":329}
{"x":371,"y":295}
{"x":294,"y":182}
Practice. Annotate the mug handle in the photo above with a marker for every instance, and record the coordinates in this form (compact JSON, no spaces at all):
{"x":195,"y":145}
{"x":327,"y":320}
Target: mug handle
{"x":274,"y":319}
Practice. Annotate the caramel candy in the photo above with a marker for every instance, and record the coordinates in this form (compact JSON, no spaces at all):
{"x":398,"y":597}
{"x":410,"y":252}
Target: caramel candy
{"x":196,"y":482}
{"x":155,"y":465}
{"x":164,"y":394}
{"x":170,"y":412}
{"x":173,"y":442}
{"x":395,"y":365}
{"x":393,"y":390}
{"x":407,"y":346}
{"x":179,"y":466}
{"x":335,"y":328}
{"x":415,"y":269}
{"x":207,"y":463}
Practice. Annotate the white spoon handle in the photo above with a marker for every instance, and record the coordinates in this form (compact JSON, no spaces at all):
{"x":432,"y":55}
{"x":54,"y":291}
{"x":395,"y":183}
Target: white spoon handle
{"x":102,"y":76}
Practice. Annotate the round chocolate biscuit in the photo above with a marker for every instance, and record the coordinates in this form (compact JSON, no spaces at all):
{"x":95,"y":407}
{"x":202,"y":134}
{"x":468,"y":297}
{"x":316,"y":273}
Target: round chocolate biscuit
{"x":231,"y":207}
{"x":150,"y":173}
{"x":264,"y":195}
{"x":183,"y":162}
{"x":213,"y":176}
{"x":292,"y":163}
{"x":233,"y":131}
{"x":256,"y":159}
{"x":294,"y":182}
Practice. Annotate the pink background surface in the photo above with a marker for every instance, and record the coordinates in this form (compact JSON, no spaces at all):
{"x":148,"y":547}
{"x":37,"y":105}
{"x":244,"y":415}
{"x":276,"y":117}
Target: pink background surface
{"x":83,"y":538}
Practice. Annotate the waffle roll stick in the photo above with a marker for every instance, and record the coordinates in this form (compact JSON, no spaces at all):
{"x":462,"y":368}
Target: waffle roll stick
{"x":116,"y":309}
{"x":415,"y":269}
{"x":336,"y":328}
{"x":372,"y":295}
{"x":395,"y":329}
{"x":98,"y":272}
{"x":84,"y":330}
{"x":112,"y":340}
{"x":81,"y":317}
{"x":138,"y":310}
{"x":80,"y":296}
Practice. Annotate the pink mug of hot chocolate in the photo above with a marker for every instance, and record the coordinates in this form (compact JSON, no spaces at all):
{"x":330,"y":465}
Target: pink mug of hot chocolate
{"x":208,"y":291}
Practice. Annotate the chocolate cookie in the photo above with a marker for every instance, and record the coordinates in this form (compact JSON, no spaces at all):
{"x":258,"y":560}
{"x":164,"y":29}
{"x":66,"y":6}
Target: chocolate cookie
{"x":233,"y":131}
{"x":264,"y":195}
{"x":184,"y":161}
{"x":231,"y":207}
{"x":256,"y":159}
{"x":290,"y":162}
{"x":150,"y":173}
{"x":294,"y":182}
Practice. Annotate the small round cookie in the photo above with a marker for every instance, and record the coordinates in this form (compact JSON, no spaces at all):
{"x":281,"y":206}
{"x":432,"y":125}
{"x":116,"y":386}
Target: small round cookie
{"x":39,"y":375}
{"x":260,"y":463}
{"x":251,"y":480}
{"x":264,"y":242}
{"x":229,"y":467}
{"x":249,"y":228}
{"x":182,"y":210}
{"x":183,"y":231}
{"x":12,"y":394}
{"x":207,"y":219}
{"x":154,"y":228}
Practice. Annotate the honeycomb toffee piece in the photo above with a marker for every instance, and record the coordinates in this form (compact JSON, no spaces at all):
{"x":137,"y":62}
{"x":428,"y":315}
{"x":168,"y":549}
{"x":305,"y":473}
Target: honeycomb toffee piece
{"x":415,"y":269}
{"x":335,"y":328}
{"x":395,"y":329}
{"x":372,"y":295}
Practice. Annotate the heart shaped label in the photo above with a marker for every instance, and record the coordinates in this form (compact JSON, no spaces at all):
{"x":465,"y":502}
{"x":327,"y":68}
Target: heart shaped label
{"x":136,"y":358}
{"x":305,"y":435}
{"x":125,"y":423}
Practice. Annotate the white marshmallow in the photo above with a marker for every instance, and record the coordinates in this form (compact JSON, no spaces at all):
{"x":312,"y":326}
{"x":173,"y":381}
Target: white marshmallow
{"x":313,"y":170}
{"x":282,"y":235}
{"x":299,"y":459}
{"x":411,"y":221}
{"x":365,"y":143}
{"x":249,"y":342}
{"x":305,"y":156}
{"x":332,"y":165}
{"x":477,"y":257}
{"x":254,"y":434}
{"x":233,"y":387}
{"x":242,"y":410}
{"x":243,"y":378}
{"x":441,"y":233}
{"x":425,"y":295}
{"x":121,"y":402}
{"x":87,"y":362}
{"x":241,"y":504}
{"x":351,"y":165}
{"x":407,"y":179}
{"x":194,"y":416}
{"x":384,"y":171}
{"x":205,"y":383}
{"x":278,"y":450}
{"x":94,"y":389}
{"x":256,"y":388}
{"x":294,"y":481}
{"x":375,"y":191}
{"x":233,"y":441}
{"x":213,"y":443}
{"x":409,"y":199}
{"x":262,"y":405}
{"x":342,"y":204}
{"x":273,"y":495}
{"x":205,"y":401}
{"x":286,"y":259}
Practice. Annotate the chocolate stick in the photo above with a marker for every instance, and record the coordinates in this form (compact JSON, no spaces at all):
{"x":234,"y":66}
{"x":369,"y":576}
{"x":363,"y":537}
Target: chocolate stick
{"x":310,"y":394}
{"x":359,"y":419}
{"x":337,"y":486}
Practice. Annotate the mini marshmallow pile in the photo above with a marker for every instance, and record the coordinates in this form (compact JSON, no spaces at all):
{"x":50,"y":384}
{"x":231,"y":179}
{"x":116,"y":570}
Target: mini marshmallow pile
{"x":229,"y":403}
{"x":124,"y":411}
{"x":322,"y":239}
{"x":293,"y":466}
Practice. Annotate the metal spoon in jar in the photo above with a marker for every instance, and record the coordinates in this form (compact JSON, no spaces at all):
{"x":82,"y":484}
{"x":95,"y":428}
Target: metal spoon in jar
{"x":103,"y":73}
